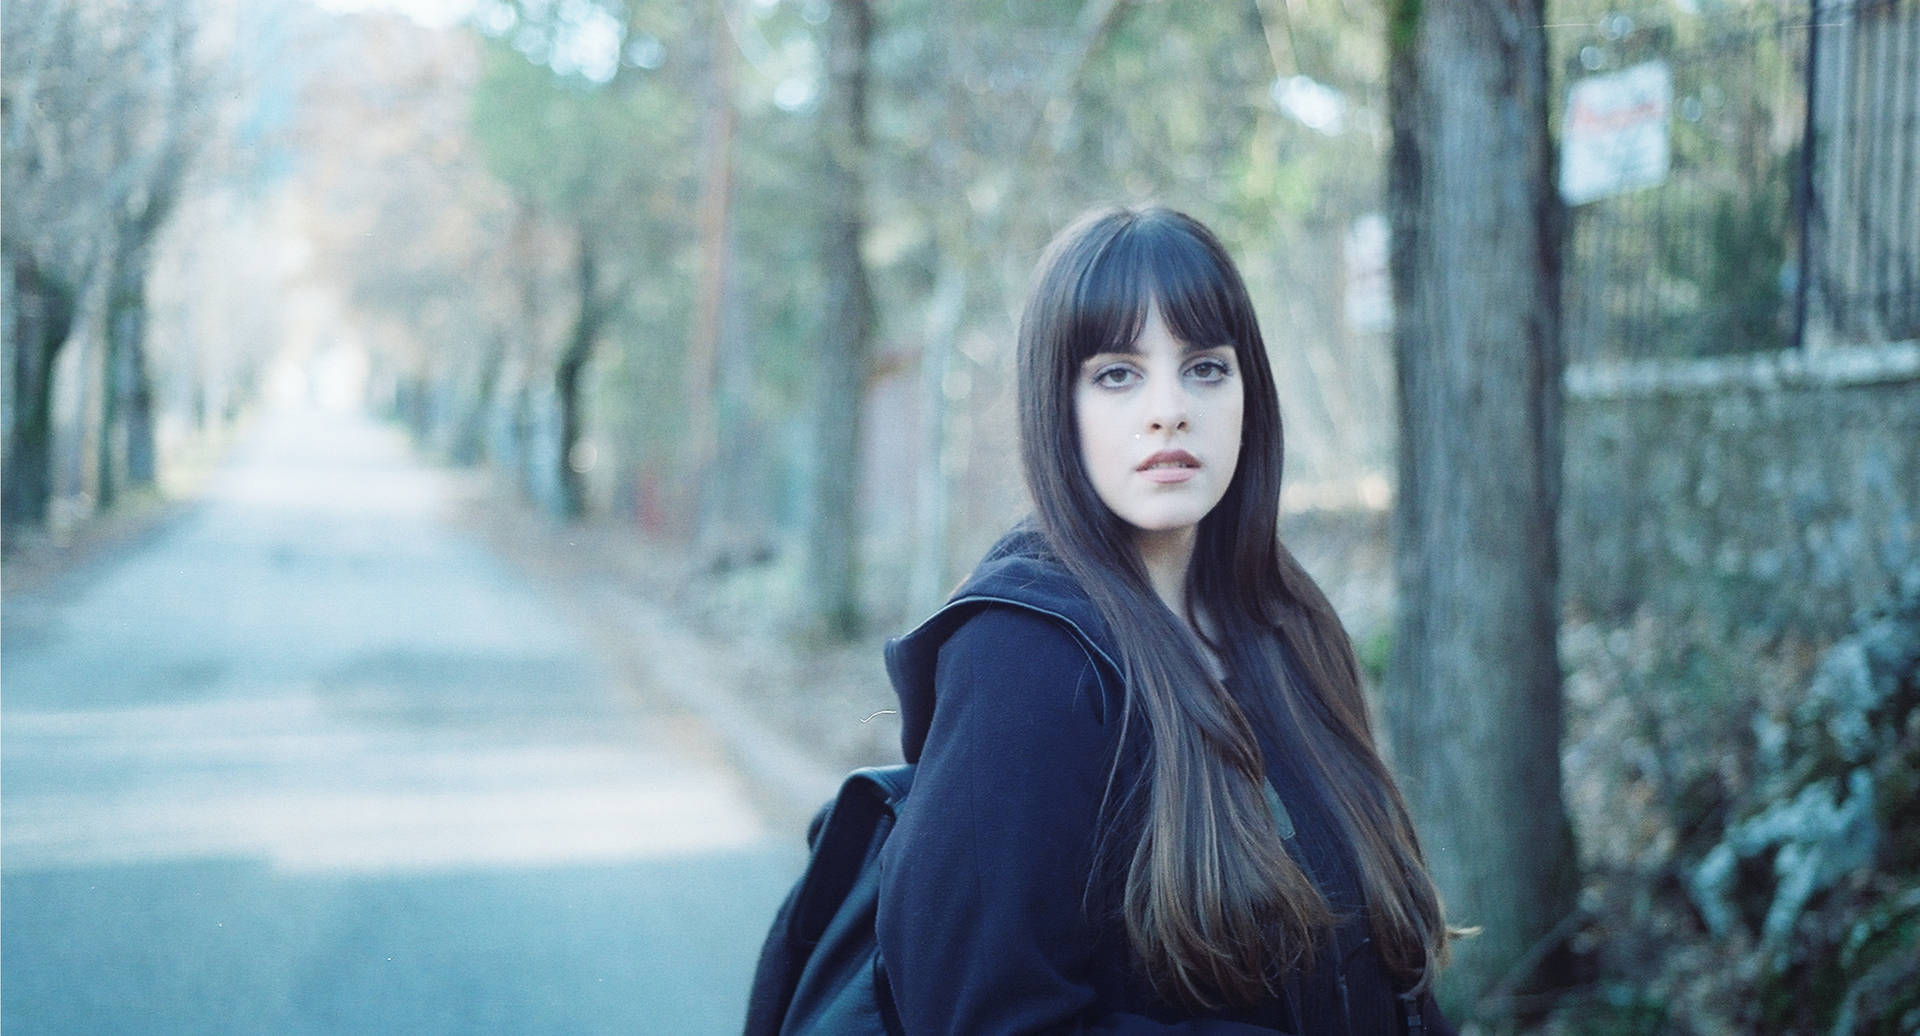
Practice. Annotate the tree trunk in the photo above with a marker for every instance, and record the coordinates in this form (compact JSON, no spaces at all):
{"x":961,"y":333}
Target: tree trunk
{"x":126,"y":452}
{"x":1473,"y":703}
{"x":699,"y":495}
{"x":521,"y":424}
{"x":468,"y":443}
{"x":834,"y":557}
{"x":42,"y":312}
{"x":143,"y":465}
{"x":126,"y":420}
{"x":927,"y":582}
{"x":578,"y":350}
{"x":572,"y":501}
{"x":113,"y":345}
{"x":528,"y":262}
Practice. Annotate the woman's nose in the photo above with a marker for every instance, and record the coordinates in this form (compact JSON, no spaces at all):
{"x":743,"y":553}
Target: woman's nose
{"x":1167,"y":410}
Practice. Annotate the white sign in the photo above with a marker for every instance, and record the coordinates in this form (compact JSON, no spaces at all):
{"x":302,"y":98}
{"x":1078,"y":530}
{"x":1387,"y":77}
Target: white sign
{"x":1614,"y":139}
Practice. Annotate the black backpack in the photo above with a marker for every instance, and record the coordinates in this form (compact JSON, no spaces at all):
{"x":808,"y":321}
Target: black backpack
{"x":820,"y":969}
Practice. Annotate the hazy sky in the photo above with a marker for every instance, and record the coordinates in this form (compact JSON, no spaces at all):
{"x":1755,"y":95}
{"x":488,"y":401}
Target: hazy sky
{"x":427,"y":12}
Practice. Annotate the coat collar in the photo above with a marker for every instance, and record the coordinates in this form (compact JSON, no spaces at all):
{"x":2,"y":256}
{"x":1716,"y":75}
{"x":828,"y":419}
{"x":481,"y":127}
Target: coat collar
{"x":1019,"y":572}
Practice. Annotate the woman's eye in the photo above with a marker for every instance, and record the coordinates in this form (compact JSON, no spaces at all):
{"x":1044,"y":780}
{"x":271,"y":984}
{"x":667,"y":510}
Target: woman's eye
{"x":1210,"y":370}
{"x":1113,"y":377}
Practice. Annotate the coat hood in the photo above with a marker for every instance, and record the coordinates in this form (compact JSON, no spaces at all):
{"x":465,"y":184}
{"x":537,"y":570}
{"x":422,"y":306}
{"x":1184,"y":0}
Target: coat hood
{"x":1019,"y":572}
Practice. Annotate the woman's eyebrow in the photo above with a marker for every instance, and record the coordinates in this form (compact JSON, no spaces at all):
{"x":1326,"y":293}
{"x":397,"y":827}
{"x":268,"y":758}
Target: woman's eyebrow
{"x":1186,"y":349}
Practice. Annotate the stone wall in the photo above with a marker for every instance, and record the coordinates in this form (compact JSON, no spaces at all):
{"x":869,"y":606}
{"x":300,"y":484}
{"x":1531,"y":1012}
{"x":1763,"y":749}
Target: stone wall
{"x":1756,"y":494}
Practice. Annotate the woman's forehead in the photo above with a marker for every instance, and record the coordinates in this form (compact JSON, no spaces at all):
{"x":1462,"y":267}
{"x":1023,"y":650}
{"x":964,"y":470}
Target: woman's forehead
{"x":1170,"y":274}
{"x":1187,"y":345}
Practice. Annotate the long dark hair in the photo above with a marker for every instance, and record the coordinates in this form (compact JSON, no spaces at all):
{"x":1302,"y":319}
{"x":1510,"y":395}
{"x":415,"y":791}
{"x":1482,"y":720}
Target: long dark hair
{"x":1212,"y":901}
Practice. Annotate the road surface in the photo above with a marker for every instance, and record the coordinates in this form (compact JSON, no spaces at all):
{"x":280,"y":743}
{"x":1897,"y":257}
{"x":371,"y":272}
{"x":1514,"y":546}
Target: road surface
{"x":310,"y":759}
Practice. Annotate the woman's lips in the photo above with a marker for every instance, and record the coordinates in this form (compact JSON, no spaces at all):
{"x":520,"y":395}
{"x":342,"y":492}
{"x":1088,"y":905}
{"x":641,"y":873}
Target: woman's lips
{"x":1169,"y":466}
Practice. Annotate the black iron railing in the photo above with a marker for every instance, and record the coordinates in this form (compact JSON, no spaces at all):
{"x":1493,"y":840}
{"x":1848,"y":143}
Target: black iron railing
{"x":1789,"y":212}
{"x":1862,"y":211}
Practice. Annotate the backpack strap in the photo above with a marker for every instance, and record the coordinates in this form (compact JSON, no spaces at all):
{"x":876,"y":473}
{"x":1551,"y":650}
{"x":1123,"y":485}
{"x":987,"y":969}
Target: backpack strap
{"x":844,"y":843}
{"x":1413,"y":1005}
{"x":810,"y":971}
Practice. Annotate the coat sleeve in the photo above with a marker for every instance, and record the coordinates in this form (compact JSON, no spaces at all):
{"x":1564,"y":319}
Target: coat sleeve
{"x":982,"y":920}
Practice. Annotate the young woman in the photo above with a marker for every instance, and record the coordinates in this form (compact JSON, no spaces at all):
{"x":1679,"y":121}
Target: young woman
{"x":1147,"y":796}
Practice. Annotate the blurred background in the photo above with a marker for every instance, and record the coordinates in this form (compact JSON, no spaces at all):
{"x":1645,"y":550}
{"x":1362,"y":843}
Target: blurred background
{"x":464,"y":456}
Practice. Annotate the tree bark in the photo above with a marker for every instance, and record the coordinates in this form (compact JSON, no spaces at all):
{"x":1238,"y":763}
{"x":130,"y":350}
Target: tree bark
{"x":121,"y":312}
{"x":1473,"y":704}
{"x":566,"y":381}
{"x":126,"y":426}
{"x":468,"y":441}
{"x":124,"y":447}
{"x":699,"y":495}
{"x":529,"y":260}
{"x":927,"y":580}
{"x":129,"y":380}
{"x":143,"y":461}
{"x":42,"y":313}
{"x":834,"y":556}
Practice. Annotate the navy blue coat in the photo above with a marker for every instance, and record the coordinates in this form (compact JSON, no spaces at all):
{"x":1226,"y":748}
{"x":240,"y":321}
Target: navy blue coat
{"x":998,"y":912}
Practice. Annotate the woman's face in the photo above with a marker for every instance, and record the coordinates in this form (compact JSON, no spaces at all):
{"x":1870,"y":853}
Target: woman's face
{"x":1160,"y":427}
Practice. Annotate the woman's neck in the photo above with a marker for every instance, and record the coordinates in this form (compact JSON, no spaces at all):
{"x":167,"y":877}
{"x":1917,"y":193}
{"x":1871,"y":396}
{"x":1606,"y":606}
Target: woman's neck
{"x":1166,"y":556}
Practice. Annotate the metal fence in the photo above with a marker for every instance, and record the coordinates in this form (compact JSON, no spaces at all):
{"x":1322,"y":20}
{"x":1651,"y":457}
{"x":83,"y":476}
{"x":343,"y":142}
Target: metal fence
{"x":1863,"y":216}
{"x":1788,"y":209}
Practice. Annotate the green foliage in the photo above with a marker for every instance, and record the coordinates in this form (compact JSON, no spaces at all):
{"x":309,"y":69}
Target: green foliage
{"x":1747,"y":247}
{"x":1614,"y":1009}
{"x":1754,"y":826}
{"x":1403,"y":25}
{"x":990,"y":126}
{"x":579,"y":149}
{"x":600,"y":152}
{"x":1877,"y":962}
{"x":1375,"y":653}
{"x":1853,"y":961}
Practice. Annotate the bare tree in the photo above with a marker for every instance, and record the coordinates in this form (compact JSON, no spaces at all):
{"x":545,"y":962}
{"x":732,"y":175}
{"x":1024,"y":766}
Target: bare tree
{"x":596,"y":304}
{"x":155,"y":139}
{"x":97,"y":138}
{"x":1474,"y":704}
{"x":41,"y":305}
{"x":41,"y":101}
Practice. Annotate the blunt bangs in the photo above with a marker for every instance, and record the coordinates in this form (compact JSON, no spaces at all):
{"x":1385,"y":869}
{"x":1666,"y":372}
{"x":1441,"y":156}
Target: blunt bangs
{"x":1155,"y":259}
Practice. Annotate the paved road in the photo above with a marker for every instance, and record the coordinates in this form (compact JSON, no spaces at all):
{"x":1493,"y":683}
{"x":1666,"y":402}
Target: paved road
{"x":309,"y":760}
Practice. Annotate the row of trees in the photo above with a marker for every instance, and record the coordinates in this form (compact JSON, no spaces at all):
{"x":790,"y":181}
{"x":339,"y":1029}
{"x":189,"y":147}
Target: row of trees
{"x":617,"y":248}
{"x":746,"y":271}
{"x":104,"y":109}
{"x":143,"y":287}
